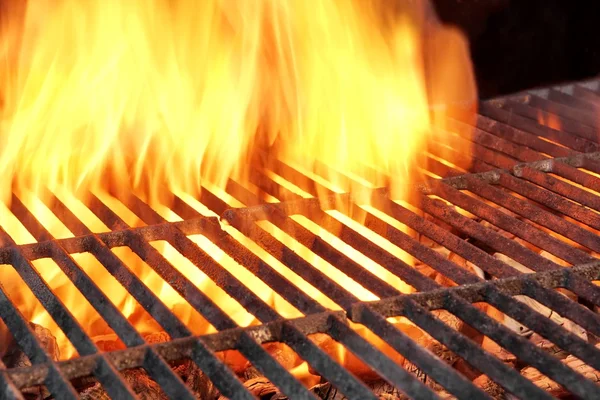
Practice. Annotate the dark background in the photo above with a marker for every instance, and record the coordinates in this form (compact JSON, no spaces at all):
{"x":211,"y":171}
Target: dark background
{"x":519,"y":44}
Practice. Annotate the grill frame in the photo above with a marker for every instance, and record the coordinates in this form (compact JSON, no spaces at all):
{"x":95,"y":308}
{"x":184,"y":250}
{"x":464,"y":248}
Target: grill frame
{"x":510,"y":156}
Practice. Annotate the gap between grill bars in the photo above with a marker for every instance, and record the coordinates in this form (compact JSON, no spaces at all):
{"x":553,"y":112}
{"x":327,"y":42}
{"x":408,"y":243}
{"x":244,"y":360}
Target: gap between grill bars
{"x":528,"y":181}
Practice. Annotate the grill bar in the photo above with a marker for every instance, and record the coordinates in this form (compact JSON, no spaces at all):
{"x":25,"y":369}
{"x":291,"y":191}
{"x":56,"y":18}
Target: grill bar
{"x":520,"y":347}
{"x":296,"y":263}
{"x":11,"y":392}
{"x":550,"y":297}
{"x":209,"y":310}
{"x":156,"y":367}
{"x":571,"y":123}
{"x":453,"y":382}
{"x":588,"y":92}
{"x":54,"y":379}
{"x":200,"y":302}
{"x":330,"y":254}
{"x":562,"y":374}
{"x":522,"y":137}
{"x":560,"y":187}
{"x":522,"y":229}
{"x":526,"y":351}
{"x":179,"y":348}
{"x":470,"y":352}
{"x":577,"y":313}
{"x":527,"y":182}
{"x":584,"y":114}
{"x":310,"y":209}
{"x":575,"y":96}
{"x":550,"y":200}
{"x":304,"y":347}
{"x":67,"y":322}
{"x":492,"y":239}
{"x":510,"y":145}
{"x":560,"y":336}
{"x":572,"y":141}
{"x":341,"y":333}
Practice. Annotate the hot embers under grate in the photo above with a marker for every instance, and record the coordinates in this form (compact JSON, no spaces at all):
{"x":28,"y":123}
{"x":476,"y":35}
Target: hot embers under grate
{"x":513,"y":162}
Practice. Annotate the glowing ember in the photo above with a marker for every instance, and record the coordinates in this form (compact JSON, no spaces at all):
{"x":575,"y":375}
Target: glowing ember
{"x":145,"y":96}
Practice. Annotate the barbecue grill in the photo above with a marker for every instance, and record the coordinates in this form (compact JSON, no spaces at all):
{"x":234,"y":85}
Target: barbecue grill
{"x":526,"y":180}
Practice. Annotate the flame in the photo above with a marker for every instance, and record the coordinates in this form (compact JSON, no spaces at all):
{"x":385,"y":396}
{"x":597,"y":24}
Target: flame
{"x":162,"y":96}
{"x":550,"y":120}
{"x":123,"y":91}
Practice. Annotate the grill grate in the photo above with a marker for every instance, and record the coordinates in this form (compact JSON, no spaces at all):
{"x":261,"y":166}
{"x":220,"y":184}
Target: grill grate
{"x":526,"y":179}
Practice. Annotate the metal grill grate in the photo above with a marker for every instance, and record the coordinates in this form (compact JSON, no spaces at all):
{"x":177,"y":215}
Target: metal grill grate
{"x":526,"y":180}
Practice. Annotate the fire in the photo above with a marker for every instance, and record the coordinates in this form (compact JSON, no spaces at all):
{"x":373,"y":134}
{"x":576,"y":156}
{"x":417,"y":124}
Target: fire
{"x":154,"y":96}
{"x":124,"y":91}
{"x":550,"y":120}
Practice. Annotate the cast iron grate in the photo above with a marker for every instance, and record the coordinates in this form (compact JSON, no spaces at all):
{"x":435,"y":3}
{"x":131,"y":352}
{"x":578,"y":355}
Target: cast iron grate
{"x":526,"y":179}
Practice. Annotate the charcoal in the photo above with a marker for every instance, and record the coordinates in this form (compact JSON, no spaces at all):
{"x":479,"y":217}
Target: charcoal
{"x":490,"y":387}
{"x":250,"y":373}
{"x":381,"y":389}
{"x":147,"y":389}
{"x":436,"y":348}
{"x":196,"y":380}
{"x":261,"y":388}
{"x":548,"y":346}
{"x":265,"y":390}
{"x":554,"y":388}
{"x":142,"y":384}
{"x":15,"y":358}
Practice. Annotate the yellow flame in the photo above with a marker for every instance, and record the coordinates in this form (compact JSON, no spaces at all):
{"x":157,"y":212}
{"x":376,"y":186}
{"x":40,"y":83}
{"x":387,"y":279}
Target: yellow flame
{"x":169,"y":93}
{"x":150,"y":95}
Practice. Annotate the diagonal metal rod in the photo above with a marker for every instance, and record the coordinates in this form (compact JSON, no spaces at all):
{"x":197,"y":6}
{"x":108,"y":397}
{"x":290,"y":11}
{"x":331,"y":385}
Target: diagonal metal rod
{"x":111,"y":380}
{"x":54,"y":379}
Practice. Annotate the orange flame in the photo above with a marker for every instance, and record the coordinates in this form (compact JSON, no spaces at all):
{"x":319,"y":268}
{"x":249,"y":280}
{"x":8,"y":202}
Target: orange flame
{"x":550,"y":120}
{"x":150,"y":95}
{"x":132,"y":89}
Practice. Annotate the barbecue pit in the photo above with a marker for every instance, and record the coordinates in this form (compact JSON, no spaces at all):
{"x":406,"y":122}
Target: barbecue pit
{"x":544,"y":177}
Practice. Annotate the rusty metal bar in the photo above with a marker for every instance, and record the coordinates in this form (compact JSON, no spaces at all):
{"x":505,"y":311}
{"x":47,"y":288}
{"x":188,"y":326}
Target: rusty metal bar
{"x":320,"y":246}
{"x":495,"y":142}
{"x":172,"y":384}
{"x":54,"y":379}
{"x":517,"y":227}
{"x":324,"y":364}
{"x":577,"y":143}
{"x":550,"y":200}
{"x":564,"y":98}
{"x":509,"y":305}
{"x":522,"y":137}
{"x":310,"y":209}
{"x":587,"y":94}
{"x":11,"y":392}
{"x":472,"y":353}
{"x":564,"y":117}
{"x":561,"y":187}
{"x":505,"y":137}
{"x":199,"y":301}
{"x":573,"y":114}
